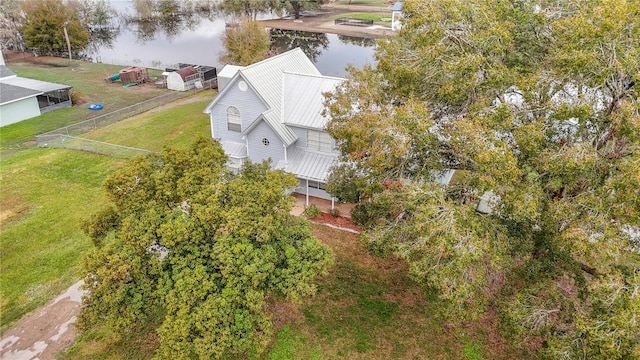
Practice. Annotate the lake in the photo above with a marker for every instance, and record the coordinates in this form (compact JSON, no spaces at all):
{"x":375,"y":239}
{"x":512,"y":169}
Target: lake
{"x":196,"y":39}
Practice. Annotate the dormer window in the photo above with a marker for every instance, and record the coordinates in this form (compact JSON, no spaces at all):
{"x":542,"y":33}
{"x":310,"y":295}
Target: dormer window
{"x":234,"y":122}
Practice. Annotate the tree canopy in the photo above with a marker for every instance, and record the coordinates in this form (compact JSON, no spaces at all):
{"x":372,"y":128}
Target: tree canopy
{"x":535,"y":105}
{"x":199,"y":251}
{"x":44,"y":25}
{"x":245,"y":44}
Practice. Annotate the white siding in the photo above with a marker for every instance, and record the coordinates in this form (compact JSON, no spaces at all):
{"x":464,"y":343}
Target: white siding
{"x":249,"y":104}
{"x":258,"y":151}
{"x":17,"y":111}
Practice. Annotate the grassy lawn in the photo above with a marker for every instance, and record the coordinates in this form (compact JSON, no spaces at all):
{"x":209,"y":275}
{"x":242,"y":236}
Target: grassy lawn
{"x":87,"y":80}
{"x":175,"y":126}
{"x":44,"y":194}
{"x":364,"y":2}
{"x":366,"y":308}
{"x":378,"y":18}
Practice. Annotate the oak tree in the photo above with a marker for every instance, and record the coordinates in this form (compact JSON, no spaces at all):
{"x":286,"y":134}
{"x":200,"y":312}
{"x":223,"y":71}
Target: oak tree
{"x":198,"y":250}
{"x":535,"y":105}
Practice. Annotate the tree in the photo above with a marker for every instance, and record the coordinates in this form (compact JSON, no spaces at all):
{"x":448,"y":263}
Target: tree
{"x":311,"y":43}
{"x":297,"y":6}
{"x":535,"y":104}
{"x":11,"y":19}
{"x":44,"y":24}
{"x":248,"y":8}
{"x":198,"y":250}
{"x":245,"y":44}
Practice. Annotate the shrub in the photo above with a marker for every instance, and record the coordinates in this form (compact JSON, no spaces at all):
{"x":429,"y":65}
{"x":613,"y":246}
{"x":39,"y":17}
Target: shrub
{"x":334,"y":212}
{"x":312,"y":211}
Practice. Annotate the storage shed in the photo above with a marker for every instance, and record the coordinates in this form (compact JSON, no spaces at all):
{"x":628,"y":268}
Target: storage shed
{"x":134,"y":75}
{"x":183,"y":79}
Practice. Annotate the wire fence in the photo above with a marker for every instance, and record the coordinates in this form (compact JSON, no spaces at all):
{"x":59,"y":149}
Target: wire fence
{"x":94,"y":146}
{"x":109,"y":118}
{"x":66,"y":137}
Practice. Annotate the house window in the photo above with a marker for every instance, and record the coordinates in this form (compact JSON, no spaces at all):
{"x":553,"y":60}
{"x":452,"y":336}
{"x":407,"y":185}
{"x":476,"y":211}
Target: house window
{"x":318,"y":140}
{"x":316,"y":185}
{"x":234,"y":122}
{"x":265,"y":141}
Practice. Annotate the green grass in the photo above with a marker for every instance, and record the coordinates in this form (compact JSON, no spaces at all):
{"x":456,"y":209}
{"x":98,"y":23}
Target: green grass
{"x":365,"y":2}
{"x":378,"y":18}
{"x":175,"y":126}
{"x":44,"y":194}
{"x":365,"y":308}
{"x":87,"y":80}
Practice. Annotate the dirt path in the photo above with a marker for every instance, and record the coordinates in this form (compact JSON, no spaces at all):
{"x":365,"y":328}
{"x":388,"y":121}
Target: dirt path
{"x":44,"y":332}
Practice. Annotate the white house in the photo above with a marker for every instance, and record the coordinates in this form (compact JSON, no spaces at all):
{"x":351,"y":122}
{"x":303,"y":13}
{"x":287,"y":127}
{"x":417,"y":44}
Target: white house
{"x":396,"y":16}
{"x":272,"y":110}
{"x":23,"y":98}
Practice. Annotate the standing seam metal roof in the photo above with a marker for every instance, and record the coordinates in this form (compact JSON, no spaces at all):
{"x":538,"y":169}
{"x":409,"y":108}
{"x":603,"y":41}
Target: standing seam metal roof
{"x":308,"y":165}
{"x":307,"y":90}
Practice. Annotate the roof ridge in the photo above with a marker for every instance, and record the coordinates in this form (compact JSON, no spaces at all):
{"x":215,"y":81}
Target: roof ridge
{"x":269,"y":59}
{"x":314,"y":75}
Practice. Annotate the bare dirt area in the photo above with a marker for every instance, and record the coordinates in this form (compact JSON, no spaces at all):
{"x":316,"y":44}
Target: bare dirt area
{"x":323,"y":22}
{"x":44,"y":332}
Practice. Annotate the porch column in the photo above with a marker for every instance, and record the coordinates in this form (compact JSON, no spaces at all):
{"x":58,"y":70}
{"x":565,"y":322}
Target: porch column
{"x":307,"y":191}
{"x":333,"y":202}
{"x":285,"y":152}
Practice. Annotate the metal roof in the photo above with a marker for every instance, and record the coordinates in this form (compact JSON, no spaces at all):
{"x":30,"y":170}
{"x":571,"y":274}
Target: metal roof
{"x":266,"y":76}
{"x":11,"y":93}
{"x":33,"y":84}
{"x":272,"y":118}
{"x":234,"y":149}
{"x":307,"y":90}
{"x":229,"y":70}
{"x":397,"y":6}
{"x":308,"y":165}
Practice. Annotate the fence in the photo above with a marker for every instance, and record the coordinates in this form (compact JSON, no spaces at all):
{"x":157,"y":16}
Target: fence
{"x":94,"y":146}
{"x":64,"y":137}
{"x":103,"y":120}
{"x":353,"y":22}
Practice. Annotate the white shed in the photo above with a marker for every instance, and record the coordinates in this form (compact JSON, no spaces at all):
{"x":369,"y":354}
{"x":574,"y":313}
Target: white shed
{"x":183,"y":79}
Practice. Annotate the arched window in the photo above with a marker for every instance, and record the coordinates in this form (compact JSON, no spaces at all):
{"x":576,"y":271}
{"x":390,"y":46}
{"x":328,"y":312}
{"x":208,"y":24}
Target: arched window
{"x":234,"y":122}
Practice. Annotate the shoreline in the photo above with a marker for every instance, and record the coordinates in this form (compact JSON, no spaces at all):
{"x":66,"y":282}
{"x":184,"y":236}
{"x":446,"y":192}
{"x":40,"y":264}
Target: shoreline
{"x":323,"y":22}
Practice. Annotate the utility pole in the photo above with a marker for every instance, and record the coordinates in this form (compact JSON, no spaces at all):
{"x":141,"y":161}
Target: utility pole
{"x":66,"y":37}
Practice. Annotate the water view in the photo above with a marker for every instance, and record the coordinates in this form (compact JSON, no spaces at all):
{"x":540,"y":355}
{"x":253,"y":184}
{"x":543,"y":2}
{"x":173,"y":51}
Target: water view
{"x":195,"y":37}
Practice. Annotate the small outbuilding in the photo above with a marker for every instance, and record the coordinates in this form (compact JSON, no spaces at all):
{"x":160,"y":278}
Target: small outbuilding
{"x":189,"y":76}
{"x":134,"y":75}
{"x":183,"y":79}
{"x":24,"y":98}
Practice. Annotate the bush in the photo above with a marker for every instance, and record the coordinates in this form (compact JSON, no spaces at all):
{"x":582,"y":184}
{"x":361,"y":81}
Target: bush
{"x":334,"y":212}
{"x":312,"y":211}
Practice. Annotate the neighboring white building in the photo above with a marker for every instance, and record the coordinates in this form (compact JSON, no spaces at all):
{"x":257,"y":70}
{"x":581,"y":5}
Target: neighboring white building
{"x":396,"y":16}
{"x":23,"y":98}
{"x":272,"y":110}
